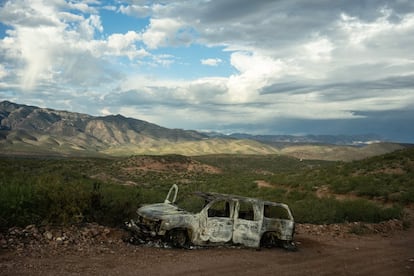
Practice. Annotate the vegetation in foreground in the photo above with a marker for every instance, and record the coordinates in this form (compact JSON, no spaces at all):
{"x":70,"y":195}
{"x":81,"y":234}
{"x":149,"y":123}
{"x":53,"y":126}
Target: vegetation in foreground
{"x":108,"y":191}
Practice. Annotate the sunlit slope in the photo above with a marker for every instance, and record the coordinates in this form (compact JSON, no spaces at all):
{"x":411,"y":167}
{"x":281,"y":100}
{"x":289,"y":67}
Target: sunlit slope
{"x":189,"y":148}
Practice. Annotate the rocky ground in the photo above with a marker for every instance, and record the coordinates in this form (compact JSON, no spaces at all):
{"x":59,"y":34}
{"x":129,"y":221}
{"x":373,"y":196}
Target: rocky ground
{"x":55,"y":240}
{"x":348,"y":249}
{"x":33,"y":240}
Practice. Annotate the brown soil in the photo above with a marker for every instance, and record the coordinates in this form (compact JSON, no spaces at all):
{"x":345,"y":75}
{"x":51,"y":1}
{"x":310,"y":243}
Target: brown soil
{"x":263,"y":184}
{"x":324,"y":191}
{"x":160,"y":164}
{"x":322,"y":250}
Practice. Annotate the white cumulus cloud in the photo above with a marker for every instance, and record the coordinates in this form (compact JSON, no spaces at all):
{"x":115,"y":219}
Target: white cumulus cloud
{"x":211,"y":61}
{"x":162,"y":32}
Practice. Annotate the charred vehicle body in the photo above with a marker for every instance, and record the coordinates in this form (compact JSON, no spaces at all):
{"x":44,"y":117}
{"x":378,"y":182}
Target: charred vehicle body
{"x":224,"y":219}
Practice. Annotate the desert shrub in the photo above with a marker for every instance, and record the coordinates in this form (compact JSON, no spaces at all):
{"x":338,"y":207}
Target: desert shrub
{"x":330,"y":210}
{"x":313,"y":210}
{"x":406,"y":197}
{"x":192,"y":203}
{"x":111,"y":204}
{"x":363,"y":210}
{"x":271,"y":194}
{"x":342,"y":185}
{"x":60,"y":199}
{"x":17,"y":204}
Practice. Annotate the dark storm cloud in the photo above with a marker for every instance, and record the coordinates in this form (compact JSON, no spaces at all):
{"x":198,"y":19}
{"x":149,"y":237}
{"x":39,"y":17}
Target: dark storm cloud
{"x":399,"y":126}
{"x":342,"y":91}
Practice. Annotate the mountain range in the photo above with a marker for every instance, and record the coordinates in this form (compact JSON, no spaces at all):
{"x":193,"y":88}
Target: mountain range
{"x":278,"y":140}
{"x":31,"y":130}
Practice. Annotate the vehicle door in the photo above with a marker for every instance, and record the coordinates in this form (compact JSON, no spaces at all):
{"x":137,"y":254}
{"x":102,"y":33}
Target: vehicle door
{"x":247,"y":223}
{"x":218,"y":221}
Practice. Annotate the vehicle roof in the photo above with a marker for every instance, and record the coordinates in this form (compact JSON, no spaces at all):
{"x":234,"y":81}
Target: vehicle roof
{"x":210,"y":196}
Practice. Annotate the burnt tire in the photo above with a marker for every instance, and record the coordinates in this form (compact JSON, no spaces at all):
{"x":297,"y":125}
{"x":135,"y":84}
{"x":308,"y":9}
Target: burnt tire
{"x":268,"y":240}
{"x":178,"y":238}
{"x":289,"y":246}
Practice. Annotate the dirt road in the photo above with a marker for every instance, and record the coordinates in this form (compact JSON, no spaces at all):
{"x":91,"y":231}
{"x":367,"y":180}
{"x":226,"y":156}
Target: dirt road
{"x":376,"y":254}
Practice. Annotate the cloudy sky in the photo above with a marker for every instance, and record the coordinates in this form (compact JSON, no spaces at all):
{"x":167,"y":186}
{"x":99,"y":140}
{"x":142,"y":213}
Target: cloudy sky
{"x":260,"y":67}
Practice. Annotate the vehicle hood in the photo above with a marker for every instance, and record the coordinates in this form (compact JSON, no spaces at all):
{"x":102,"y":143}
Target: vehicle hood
{"x":160,"y":210}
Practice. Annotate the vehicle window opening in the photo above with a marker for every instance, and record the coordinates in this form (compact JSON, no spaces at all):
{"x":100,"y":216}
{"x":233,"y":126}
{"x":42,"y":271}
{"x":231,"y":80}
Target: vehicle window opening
{"x":277,"y":212}
{"x":219,"y":209}
{"x":246,"y":210}
{"x":193,"y":204}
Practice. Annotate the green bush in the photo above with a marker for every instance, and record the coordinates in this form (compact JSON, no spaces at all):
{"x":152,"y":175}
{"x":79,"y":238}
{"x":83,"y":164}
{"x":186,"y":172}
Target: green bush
{"x":315,"y":211}
{"x":17,"y":204}
{"x":60,"y":200}
{"x":363,"y":210}
{"x":329,"y":210}
{"x":111,"y":204}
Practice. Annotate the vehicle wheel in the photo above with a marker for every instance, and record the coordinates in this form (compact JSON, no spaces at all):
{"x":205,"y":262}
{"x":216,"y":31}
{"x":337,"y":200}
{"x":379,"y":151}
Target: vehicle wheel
{"x":268,"y":240}
{"x":178,"y":238}
{"x":289,"y":246}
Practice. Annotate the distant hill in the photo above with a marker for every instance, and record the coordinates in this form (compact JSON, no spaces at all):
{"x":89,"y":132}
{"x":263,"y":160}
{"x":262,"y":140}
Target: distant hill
{"x":31,"y":130}
{"x":281,"y":140}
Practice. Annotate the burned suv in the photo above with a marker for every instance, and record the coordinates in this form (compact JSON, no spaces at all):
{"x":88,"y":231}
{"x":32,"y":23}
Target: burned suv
{"x":223,"y":219}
